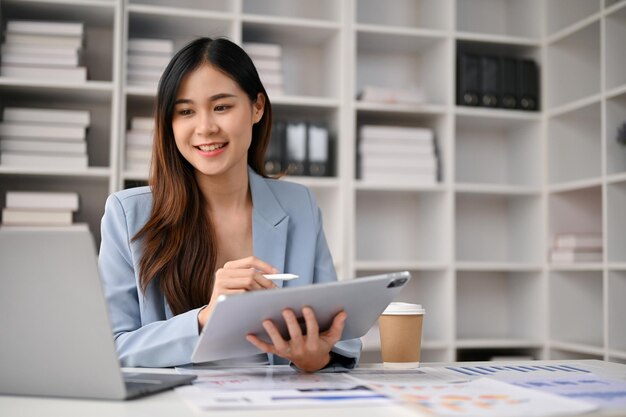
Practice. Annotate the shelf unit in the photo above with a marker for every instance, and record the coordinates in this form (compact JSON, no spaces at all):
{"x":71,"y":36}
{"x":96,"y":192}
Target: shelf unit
{"x":476,"y":243}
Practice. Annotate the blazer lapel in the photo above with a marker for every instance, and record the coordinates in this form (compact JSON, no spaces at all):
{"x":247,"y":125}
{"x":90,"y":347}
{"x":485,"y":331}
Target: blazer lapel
{"x":270,"y":224}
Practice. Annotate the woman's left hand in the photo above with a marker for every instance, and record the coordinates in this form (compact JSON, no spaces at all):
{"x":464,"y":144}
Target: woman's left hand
{"x":310,"y":352}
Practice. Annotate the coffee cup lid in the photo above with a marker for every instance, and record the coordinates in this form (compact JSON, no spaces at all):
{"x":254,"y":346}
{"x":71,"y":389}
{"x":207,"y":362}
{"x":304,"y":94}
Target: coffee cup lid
{"x":398,"y":308}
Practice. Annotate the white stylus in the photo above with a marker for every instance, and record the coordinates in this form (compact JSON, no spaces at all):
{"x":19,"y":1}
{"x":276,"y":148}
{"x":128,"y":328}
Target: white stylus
{"x":279,"y":277}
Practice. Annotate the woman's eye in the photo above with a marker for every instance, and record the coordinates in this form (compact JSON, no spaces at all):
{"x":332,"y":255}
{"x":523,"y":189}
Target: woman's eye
{"x":185,"y":112}
{"x":221,"y":107}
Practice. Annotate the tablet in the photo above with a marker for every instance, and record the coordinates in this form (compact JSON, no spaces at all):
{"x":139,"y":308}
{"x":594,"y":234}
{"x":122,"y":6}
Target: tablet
{"x":235,"y":316}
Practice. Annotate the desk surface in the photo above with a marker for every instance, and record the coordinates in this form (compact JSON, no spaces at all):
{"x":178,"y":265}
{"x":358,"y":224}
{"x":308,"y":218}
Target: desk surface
{"x":170,"y":404}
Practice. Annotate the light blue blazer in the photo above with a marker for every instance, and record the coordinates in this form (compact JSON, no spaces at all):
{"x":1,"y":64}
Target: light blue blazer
{"x":287,"y":233}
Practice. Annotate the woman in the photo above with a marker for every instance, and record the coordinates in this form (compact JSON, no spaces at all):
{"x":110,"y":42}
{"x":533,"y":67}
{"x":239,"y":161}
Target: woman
{"x":211,"y":222}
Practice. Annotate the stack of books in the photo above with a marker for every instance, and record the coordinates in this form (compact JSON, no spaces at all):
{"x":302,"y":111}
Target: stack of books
{"x":139,"y":139}
{"x":268,"y":60}
{"x":386,"y":95}
{"x":147,"y":58}
{"x":43,"y":50}
{"x":571,"y":248}
{"x":44,"y":138}
{"x":392,"y":154}
{"x":26,"y":208}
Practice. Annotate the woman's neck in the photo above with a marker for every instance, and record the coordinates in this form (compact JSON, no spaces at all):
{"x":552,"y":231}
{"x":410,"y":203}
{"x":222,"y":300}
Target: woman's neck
{"x":227,"y":192}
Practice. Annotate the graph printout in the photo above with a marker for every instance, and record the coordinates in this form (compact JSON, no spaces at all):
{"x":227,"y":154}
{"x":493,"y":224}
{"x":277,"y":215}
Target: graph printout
{"x":482,"y":397}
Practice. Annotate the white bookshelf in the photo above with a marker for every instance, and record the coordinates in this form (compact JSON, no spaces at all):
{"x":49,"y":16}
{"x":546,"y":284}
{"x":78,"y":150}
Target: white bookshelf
{"x":476,"y":243}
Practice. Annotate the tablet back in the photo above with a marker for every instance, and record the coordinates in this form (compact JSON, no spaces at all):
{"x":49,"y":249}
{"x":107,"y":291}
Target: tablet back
{"x":364,"y":299}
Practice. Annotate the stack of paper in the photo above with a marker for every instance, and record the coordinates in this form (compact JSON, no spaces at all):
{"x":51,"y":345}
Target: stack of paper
{"x":44,"y":138}
{"x":139,"y":139}
{"x":147,"y":58}
{"x":268,"y":61}
{"x":392,"y":154}
{"x":25,"y":208}
{"x":387,"y":95}
{"x":576,"y":247}
{"x":43,"y":50}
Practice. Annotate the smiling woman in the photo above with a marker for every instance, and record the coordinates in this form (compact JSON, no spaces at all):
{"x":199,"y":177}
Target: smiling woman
{"x":211,"y":222}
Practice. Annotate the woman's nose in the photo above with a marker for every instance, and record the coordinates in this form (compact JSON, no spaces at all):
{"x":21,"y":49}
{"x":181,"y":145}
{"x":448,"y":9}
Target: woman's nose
{"x":206,"y":124}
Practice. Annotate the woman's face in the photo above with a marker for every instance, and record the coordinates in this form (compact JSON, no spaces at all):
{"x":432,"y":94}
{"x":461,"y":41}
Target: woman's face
{"x":212,"y":121}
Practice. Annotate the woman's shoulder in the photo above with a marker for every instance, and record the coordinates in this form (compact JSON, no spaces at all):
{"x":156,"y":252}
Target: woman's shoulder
{"x":132,"y":196}
{"x":132,"y":199}
{"x":287,"y":191}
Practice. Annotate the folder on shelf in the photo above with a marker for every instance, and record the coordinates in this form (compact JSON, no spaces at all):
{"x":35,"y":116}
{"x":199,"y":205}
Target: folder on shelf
{"x":318,"y":151}
{"x":274,"y":158}
{"x":528,"y":84}
{"x":509,"y":96}
{"x":296,"y":148}
{"x":468,"y":80}
{"x":489,"y":77}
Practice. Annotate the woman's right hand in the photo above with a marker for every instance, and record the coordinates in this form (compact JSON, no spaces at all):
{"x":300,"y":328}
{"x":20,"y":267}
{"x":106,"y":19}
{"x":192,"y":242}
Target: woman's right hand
{"x":236,"y":277}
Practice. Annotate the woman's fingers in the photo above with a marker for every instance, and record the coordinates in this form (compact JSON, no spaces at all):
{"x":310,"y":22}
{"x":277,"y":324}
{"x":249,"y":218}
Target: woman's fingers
{"x":332,"y":335}
{"x":293,"y":327}
{"x":281,"y":346}
{"x":251,"y":262}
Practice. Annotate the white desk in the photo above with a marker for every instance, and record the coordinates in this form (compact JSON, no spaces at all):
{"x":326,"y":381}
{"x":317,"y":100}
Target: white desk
{"x":170,"y":404}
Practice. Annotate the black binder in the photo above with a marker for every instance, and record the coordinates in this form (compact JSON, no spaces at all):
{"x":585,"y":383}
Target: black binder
{"x":468,"y":80}
{"x":528,"y":77}
{"x":274,"y":159}
{"x":489,"y":81}
{"x":509,"y":96}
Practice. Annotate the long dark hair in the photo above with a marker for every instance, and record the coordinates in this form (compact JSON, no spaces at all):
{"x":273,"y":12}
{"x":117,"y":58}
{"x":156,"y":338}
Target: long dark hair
{"x":179,"y":239}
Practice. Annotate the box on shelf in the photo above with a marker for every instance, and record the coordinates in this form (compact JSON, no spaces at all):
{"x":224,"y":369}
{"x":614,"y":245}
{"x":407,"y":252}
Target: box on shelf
{"x":146,"y":60}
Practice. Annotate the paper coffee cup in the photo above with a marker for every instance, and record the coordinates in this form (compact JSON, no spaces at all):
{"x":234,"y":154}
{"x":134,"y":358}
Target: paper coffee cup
{"x":401,"y":335}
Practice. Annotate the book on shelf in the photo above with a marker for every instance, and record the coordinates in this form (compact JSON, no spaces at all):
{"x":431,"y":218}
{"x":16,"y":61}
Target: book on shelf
{"x":43,"y":27}
{"x":263,"y":64}
{"x":43,"y":50}
{"x":397,"y":133}
{"x":420,"y":164}
{"x":50,"y":200}
{"x":416,"y":149}
{"x":139,"y":139}
{"x":140,"y":61}
{"x":38,"y":146}
{"x":41,"y":131}
{"x":263,"y":50}
{"x":52,"y":116}
{"x":575,"y":255}
{"x":142,"y":124}
{"x":271,"y":78}
{"x":16,"y":58}
{"x":48,"y":74}
{"x":151,"y":46}
{"x":41,"y":161}
{"x":43,"y":40}
{"x":144,"y":77}
{"x":374,"y":94}
{"x":386,"y":176}
{"x":139,"y":153}
{"x":26,"y":217}
{"x":578,"y":241}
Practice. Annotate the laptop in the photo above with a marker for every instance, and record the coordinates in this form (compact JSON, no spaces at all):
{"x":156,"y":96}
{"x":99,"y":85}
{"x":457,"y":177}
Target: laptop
{"x":56,"y":336}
